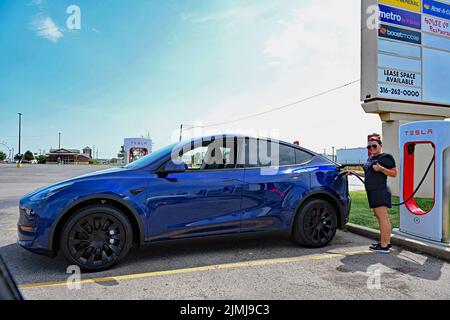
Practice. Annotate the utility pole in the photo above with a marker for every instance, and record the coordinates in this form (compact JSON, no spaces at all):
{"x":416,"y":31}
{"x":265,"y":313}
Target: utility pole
{"x":59,"y":147}
{"x":181,"y":132}
{"x":20,"y":138}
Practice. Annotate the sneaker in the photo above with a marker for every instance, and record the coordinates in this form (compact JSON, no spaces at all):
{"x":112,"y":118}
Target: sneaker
{"x":373,"y":246}
{"x":380,"y":249}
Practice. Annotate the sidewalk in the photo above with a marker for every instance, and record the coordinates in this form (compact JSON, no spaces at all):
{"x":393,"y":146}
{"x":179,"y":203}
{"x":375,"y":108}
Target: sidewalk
{"x":442,"y":252}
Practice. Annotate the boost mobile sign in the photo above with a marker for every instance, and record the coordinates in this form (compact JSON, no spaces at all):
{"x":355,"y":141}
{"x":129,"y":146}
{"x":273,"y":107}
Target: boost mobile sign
{"x":394,"y":33}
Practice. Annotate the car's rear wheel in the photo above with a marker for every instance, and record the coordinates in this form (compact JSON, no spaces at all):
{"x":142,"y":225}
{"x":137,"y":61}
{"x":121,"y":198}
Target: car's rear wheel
{"x":96,"y":238}
{"x":315,"y":224}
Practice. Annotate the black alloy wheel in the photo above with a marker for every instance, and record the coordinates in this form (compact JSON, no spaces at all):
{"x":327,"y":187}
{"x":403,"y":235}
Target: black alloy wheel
{"x":96,"y":238}
{"x":315,"y":224}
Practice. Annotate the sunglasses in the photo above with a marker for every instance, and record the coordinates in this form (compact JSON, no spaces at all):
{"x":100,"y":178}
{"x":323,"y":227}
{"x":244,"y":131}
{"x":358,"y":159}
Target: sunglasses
{"x":372,"y":146}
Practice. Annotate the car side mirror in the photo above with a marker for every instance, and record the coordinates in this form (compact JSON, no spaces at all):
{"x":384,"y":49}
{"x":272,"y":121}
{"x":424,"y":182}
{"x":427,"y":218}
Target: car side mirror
{"x":173,"y":167}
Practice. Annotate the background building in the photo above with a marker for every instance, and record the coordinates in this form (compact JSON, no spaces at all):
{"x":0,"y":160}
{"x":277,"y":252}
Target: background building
{"x":69,"y":156}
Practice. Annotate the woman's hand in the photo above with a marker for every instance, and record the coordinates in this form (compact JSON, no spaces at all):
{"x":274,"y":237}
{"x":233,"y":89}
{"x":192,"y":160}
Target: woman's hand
{"x":377,"y":168}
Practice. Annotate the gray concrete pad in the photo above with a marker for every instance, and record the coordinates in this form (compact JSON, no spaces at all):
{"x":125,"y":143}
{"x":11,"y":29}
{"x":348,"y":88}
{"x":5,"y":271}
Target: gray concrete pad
{"x":268,"y":267}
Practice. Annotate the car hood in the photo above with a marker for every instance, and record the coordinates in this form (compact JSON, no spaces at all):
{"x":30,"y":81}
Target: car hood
{"x":93,"y":175}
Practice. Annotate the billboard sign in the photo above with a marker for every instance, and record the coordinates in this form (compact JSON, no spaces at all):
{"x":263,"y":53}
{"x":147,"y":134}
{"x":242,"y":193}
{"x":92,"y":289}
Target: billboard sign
{"x":405,"y":54}
{"x":400,"y":17}
{"x":437,"y":9}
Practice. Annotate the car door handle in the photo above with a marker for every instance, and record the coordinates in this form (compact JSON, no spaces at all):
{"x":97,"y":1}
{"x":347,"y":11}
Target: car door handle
{"x":135,"y":192}
{"x":230,"y":180}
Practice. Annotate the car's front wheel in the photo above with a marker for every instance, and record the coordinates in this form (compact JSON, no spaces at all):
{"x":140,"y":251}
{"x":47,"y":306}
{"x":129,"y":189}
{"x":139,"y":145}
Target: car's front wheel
{"x":315,"y":224}
{"x":96,"y":237}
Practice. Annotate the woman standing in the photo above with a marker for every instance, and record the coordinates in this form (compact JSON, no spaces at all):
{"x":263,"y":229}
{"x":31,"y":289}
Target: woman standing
{"x":378,"y":167}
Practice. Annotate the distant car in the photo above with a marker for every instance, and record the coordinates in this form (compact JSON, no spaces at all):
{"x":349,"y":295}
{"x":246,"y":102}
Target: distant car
{"x":199,"y":188}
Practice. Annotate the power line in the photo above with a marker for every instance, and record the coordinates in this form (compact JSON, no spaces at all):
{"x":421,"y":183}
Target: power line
{"x":280,"y":107}
{"x":271,"y":110}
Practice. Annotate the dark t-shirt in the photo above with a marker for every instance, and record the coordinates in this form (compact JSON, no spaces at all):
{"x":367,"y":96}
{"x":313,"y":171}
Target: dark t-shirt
{"x":377,"y":180}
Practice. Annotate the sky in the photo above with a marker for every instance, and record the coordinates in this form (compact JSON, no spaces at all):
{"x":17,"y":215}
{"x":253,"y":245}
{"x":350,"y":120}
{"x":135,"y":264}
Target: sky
{"x":144,"y":67}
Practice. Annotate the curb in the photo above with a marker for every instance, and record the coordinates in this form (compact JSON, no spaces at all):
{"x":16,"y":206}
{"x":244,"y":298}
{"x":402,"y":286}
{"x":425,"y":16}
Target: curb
{"x":399,"y":240}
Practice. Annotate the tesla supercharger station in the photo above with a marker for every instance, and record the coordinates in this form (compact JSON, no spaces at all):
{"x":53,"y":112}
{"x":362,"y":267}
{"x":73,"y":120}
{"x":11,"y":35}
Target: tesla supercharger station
{"x":136,"y":148}
{"x":433,"y":224}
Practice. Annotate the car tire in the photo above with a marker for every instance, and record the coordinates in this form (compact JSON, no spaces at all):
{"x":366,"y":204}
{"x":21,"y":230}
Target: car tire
{"x":315,"y":224}
{"x":96,"y":237}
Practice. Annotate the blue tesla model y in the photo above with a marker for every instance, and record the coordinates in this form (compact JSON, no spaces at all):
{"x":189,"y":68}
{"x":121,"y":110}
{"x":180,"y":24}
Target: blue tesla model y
{"x":216,"y":185}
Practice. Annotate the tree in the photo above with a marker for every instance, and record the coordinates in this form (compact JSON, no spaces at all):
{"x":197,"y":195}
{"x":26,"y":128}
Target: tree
{"x":18,"y":157}
{"x":41,"y":158}
{"x":28,"y":156}
{"x":121,"y":154}
{"x":2,"y":156}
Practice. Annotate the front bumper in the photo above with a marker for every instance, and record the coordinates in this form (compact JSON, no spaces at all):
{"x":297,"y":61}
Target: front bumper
{"x":30,"y":235}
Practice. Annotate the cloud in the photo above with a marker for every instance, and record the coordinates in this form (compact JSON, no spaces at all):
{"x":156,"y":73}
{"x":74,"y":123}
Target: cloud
{"x":315,"y":28}
{"x":46,"y":28}
{"x":317,"y":47}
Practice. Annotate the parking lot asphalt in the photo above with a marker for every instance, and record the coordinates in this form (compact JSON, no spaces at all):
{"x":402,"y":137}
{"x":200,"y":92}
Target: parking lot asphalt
{"x":268,"y":267}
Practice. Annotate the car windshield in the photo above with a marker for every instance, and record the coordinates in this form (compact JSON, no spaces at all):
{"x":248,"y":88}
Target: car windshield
{"x":147,"y":160}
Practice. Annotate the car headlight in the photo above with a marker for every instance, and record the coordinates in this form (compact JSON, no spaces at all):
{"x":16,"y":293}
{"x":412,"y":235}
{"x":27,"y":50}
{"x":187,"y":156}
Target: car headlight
{"x":48,"y":192}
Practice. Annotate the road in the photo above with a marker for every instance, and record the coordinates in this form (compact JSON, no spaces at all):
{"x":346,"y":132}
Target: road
{"x":223,"y":268}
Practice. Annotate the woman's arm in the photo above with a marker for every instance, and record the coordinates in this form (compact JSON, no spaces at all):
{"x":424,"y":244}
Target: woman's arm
{"x":389,"y":172}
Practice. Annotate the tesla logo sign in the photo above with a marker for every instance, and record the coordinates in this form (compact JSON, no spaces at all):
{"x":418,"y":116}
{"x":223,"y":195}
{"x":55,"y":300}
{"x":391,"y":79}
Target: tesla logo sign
{"x":419,"y":132}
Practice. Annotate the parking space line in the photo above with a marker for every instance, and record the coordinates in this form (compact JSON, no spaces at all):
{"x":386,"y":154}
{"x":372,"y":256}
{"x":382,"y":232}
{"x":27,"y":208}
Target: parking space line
{"x":245,"y":264}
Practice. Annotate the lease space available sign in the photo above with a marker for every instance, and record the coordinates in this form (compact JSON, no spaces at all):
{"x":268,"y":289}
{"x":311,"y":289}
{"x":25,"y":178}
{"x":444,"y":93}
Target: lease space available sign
{"x":400,"y":17}
{"x":397,"y":77}
{"x":436,"y":26}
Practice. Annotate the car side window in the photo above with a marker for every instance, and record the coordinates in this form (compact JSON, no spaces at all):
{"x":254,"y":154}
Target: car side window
{"x":287,"y":155}
{"x":264,"y":153}
{"x":302,"y":156}
{"x":213,"y":155}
